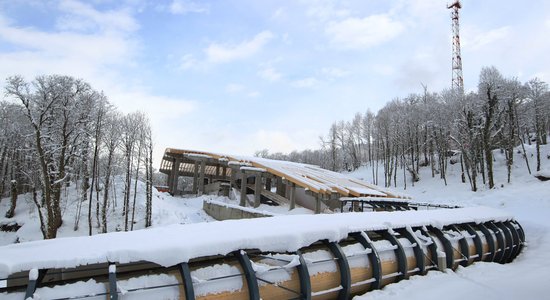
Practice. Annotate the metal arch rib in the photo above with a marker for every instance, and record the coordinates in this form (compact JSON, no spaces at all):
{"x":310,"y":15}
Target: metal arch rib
{"x":499,"y":251}
{"x":374,"y":259}
{"x":187,"y":281}
{"x":464,"y":247}
{"x":343,"y":266}
{"x":303,"y":274}
{"x":449,"y":253}
{"x":490,"y":241}
{"x":509,"y":244}
{"x":432,"y":247}
{"x":477,"y":241}
{"x":516,"y":240}
{"x":250,"y":275}
{"x":399,"y":253}
{"x":418,"y":253}
{"x":33,"y":284}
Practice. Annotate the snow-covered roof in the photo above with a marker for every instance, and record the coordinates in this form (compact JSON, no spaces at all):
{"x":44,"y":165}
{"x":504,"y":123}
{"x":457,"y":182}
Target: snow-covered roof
{"x":170,"y":245}
{"x":310,"y":177}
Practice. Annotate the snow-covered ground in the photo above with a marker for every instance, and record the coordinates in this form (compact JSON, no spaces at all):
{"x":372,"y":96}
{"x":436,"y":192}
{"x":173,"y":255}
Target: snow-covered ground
{"x":167,"y":210}
{"x":526,"y":197}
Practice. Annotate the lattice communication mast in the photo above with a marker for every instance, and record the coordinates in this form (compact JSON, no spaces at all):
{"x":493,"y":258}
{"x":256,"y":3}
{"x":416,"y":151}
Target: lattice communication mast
{"x":458,"y":80}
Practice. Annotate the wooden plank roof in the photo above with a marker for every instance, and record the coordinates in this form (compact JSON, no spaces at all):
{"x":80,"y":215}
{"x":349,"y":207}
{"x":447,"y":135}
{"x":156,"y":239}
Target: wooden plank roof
{"x":310,"y":177}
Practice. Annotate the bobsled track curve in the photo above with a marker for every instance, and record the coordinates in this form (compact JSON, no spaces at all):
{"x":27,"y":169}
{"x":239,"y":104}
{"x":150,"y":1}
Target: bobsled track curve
{"x":369,"y":251}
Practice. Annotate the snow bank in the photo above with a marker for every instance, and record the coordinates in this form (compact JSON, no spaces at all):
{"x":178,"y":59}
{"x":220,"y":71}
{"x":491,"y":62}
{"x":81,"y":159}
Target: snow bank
{"x":174,"y":244}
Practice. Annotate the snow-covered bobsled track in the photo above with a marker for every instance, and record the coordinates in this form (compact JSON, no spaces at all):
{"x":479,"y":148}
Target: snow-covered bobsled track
{"x":291,"y":257}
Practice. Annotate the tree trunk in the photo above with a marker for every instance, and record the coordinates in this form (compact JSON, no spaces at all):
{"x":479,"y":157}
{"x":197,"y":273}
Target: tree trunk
{"x":11,"y":211}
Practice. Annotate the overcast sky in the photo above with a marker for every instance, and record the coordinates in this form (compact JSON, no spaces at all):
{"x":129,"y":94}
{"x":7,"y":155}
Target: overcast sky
{"x":239,"y":76}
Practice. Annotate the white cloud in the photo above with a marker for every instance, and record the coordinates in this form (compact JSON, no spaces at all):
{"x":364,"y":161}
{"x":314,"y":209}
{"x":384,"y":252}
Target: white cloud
{"x":234,"y":88}
{"x":181,"y":7}
{"x":362,"y":33}
{"x":93,"y":52}
{"x":269,"y":73}
{"x":334,"y":72}
{"x":475,"y":39}
{"x":325,"y":10}
{"x":188,"y":61}
{"x":307,"y":82}
{"x":237,"y":88}
{"x":279,"y":14}
{"x":80,"y":16}
{"x":224,"y":53}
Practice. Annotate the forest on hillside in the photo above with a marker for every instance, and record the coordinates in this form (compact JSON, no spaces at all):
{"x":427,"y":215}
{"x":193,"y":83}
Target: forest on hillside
{"x":431,"y":129}
{"x":57,"y":131}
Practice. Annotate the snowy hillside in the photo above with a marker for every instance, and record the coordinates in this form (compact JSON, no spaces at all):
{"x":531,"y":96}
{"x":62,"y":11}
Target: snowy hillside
{"x":166,"y":210}
{"x":526,"y":197}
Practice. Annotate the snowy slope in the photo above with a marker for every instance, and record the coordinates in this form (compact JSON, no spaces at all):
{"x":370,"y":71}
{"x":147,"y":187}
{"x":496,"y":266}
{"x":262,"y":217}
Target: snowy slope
{"x":166,"y":210}
{"x":526,"y":197}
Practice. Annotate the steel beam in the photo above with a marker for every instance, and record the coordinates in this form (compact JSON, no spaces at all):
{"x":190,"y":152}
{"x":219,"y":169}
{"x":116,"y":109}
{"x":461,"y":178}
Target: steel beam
{"x":448,"y":247}
{"x":113,"y":293}
{"x":477,"y":240}
{"x":187,"y":281}
{"x":373,"y":256}
{"x":500,"y":248}
{"x":303,"y":275}
{"x":418,"y":253}
{"x":343,"y":266}
{"x":509,"y":242}
{"x":464,"y":247}
{"x":249,"y":274}
{"x":490,"y":241}
{"x":399,"y":253}
{"x":34,"y":283}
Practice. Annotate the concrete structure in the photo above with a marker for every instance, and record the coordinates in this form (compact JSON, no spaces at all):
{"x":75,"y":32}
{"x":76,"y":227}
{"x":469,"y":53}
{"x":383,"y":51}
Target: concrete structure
{"x":223,"y":211}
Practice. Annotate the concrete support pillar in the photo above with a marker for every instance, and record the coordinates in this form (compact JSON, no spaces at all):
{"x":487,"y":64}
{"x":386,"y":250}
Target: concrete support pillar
{"x":257,"y":189}
{"x":318,"y":204}
{"x":201,"y":177}
{"x":292,"y":196}
{"x":281,"y":189}
{"x":268,"y":183}
{"x":195,"y":177}
{"x":224,"y":172}
{"x":243,"y":189}
{"x":217,"y":170}
{"x":233,"y":177}
{"x":173,"y":178}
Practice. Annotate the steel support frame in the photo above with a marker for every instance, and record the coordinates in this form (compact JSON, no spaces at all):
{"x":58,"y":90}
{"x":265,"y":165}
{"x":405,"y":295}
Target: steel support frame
{"x":187,"y":281}
{"x":374,"y":258}
{"x":477,"y":240}
{"x":464,"y":247}
{"x":113,"y":293}
{"x":399,"y":253}
{"x":250,"y":275}
{"x":343,"y":266}
{"x":33,"y":284}
{"x":516,"y":240}
{"x":490,"y":241}
{"x":501,"y":246}
{"x":303,"y":274}
{"x":432,"y":247}
{"x":418,"y":253}
{"x":509,"y":248}
{"x":448,"y":247}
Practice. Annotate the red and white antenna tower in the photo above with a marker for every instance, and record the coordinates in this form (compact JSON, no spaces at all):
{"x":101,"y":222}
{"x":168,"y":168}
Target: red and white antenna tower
{"x":458,"y":80}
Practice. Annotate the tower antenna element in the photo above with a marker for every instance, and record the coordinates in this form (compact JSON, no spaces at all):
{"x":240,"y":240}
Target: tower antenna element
{"x":458,"y":80}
